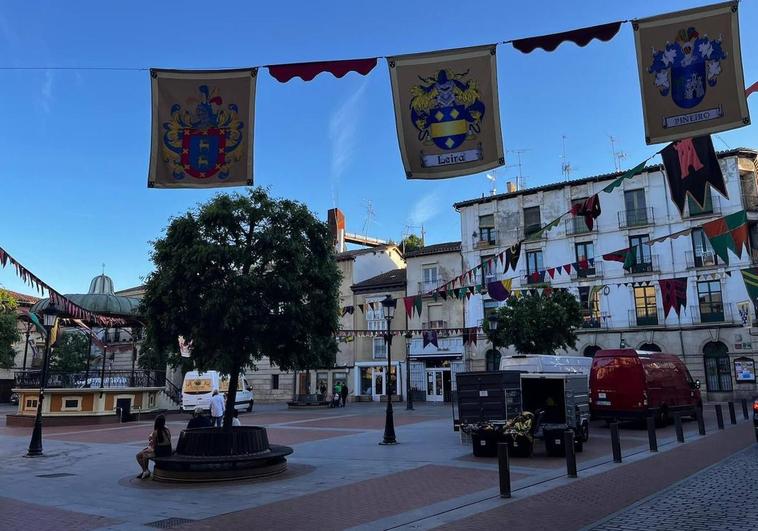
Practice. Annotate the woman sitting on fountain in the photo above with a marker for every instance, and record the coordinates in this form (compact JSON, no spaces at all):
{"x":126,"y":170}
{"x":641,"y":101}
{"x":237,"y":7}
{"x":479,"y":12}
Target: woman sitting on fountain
{"x":158,"y":445}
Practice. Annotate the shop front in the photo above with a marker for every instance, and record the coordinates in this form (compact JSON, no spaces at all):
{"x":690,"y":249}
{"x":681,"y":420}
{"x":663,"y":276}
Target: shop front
{"x":433,"y":368}
{"x":371,"y":380}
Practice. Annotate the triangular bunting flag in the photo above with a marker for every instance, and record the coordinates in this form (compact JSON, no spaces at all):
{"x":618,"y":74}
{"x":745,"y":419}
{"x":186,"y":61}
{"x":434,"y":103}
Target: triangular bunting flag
{"x":417,"y":304}
{"x":361,"y":308}
{"x":551,"y":272}
{"x":729,"y":232}
{"x":408,"y":302}
{"x":443,"y":294}
{"x":567,"y":268}
{"x":750,"y":277}
{"x":628,"y":175}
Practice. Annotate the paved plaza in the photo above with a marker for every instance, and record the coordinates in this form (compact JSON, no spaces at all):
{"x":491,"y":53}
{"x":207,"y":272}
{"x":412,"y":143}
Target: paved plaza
{"x":340,"y":478}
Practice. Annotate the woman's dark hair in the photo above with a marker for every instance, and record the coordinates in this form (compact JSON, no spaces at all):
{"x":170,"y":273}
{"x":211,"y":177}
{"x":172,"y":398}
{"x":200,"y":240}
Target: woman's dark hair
{"x":160,"y":428}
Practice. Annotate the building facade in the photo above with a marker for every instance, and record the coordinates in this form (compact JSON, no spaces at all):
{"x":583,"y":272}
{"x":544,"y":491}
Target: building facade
{"x":433,"y":367}
{"x":626,"y":309}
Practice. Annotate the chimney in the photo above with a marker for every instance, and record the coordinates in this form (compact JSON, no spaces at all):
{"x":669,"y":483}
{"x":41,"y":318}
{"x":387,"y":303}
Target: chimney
{"x":336,"y":221}
{"x":511,"y":187}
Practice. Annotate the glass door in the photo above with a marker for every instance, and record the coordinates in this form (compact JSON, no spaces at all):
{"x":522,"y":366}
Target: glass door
{"x":377,"y":383}
{"x":434,"y":387}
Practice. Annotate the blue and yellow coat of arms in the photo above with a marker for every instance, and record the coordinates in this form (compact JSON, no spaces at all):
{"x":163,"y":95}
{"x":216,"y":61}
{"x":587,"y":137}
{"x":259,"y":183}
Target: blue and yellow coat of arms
{"x":446,"y":109}
{"x":203,"y":142}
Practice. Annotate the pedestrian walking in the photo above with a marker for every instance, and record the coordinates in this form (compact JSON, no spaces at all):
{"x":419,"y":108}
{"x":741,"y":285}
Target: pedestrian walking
{"x":343,"y":394}
{"x":217,"y":409}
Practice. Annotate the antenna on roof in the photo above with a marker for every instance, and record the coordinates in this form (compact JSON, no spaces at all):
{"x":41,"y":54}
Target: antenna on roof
{"x":565,"y":165}
{"x":618,"y":156}
{"x":103,"y":264}
{"x":521,"y":177}
{"x":492,"y":179}
{"x":370,"y":214}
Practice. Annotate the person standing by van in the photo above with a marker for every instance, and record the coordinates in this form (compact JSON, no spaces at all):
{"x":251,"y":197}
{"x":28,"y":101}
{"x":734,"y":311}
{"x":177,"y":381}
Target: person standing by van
{"x":217,"y":409}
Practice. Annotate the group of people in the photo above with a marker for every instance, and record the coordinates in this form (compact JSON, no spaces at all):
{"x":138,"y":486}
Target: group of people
{"x":159,"y":440}
{"x":339,"y":396}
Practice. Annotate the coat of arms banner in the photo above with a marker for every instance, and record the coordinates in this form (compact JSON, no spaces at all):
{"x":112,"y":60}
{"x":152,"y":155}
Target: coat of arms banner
{"x":690,"y":70}
{"x":202,"y":128}
{"x":447,"y":112}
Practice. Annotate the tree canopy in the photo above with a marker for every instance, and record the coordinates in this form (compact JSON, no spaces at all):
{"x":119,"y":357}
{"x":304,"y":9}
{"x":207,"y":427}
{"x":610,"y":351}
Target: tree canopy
{"x":411,"y":243}
{"x":9,"y":333}
{"x":538,"y":324}
{"x":70,"y":353}
{"x":241,"y":277}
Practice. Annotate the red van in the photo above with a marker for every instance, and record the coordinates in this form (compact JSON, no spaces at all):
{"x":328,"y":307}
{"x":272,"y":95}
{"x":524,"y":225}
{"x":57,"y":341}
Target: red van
{"x":628,"y":383}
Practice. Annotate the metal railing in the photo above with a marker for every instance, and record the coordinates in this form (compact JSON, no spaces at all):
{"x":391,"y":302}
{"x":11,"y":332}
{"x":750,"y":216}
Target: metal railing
{"x":30,"y":379}
{"x":645,"y":264}
{"x":701,"y":260}
{"x":531,"y":280}
{"x":646,"y":319}
{"x":576,"y":225}
{"x":601,"y":320}
{"x":430,"y":285}
{"x":588,"y":272}
{"x":636,"y":218}
{"x":713,"y":313}
{"x":431,"y":325}
{"x":484,"y":238}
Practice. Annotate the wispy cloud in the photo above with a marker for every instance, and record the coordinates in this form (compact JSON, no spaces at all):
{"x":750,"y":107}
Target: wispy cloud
{"x":426,"y":208}
{"x":343,"y":126}
{"x":47,"y":91}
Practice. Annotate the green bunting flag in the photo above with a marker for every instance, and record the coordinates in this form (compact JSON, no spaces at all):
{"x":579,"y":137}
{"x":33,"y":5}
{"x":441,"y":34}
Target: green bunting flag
{"x":628,"y":175}
{"x":729,"y":232}
{"x":750,"y":277}
{"x":537,"y":235}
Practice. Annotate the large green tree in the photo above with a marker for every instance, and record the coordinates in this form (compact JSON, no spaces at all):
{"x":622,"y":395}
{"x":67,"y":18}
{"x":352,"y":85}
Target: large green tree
{"x":538,"y":324}
{"x":9,"y":333}
{"x":242,"y":277}
{"x":70,"y":353}
{"x":411,"y":243}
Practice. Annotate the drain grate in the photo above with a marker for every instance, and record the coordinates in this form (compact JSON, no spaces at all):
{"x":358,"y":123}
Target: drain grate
{"x":169,"y":523}
{"x":58,"y":475}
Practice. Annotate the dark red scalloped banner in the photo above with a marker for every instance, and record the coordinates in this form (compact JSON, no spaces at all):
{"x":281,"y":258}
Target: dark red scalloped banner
{"x":580,"y":37}
{"x":307,"y":71}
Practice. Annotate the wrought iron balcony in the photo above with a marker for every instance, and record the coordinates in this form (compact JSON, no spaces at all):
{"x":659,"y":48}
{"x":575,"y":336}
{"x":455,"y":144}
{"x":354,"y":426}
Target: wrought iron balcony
{"x":702,"y":259}
{"x":713,"y":313}
{"x":531,"y":280}
{"x":642,"y":318}
{"x":484,"y":238}
{"x":577,"y":225}
{"x":446,"y":346}
{"x":588,"y":272}
{"x":598,"y":320}
{"x":636,"y":218}
{"x":645,"y":264}
{"x":430,"y":285}
{"x":81,"y":380}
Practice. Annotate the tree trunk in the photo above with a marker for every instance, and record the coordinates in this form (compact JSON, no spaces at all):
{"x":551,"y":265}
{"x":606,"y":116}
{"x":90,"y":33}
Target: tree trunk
{"x":231,"y":397}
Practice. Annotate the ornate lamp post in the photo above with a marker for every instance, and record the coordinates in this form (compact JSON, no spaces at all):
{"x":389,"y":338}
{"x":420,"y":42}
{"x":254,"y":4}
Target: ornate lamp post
{"x":49,"y":316}
{"x":388,"y":311}
{"x":492,"y":322}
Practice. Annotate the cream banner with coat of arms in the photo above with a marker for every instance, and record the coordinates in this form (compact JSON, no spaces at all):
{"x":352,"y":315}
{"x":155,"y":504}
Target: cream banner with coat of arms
{"x":202,"y":128}
{"x":446,"y":112}
{"x":690,"y":72}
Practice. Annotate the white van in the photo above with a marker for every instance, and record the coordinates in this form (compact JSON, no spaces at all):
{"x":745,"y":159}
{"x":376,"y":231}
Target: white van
{"x":198,"y":387}
{"x":545,"y":363}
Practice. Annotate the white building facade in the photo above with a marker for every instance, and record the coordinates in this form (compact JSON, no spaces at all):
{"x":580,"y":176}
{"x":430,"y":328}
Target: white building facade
{"x":709,"y":334}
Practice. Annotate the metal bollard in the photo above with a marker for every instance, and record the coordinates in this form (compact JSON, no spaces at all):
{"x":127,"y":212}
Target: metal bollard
{"x":615,"y":442}
{"x":732,"y":414}
{"x":651,"y":435}
{"x":504,"y":469}
{"x":700,"y":420}
{"x":744,"y":408}
{"x":678,"y":426}
{"x":568,"y":442}
{"x":719,"y":416}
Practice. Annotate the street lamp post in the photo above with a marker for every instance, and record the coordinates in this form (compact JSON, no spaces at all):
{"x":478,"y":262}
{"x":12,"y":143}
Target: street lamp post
{"x":388,"y":310}
{"x":49,"y":315}
{"x":492,"y":321}
{"x":408,"y":396}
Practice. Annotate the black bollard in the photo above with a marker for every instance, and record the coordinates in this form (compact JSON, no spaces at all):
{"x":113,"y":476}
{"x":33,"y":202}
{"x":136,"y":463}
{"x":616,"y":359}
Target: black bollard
{"x":678,"y":427}
{"x":744,"y":408}
{"x":732,"y":414}
{"x":568,"y":442}
{"x":700,"y":420}
{"x":651,"y":435}
{"x":719,"y":417}
{"x":615,"y":442}
{"x":504,"y":468}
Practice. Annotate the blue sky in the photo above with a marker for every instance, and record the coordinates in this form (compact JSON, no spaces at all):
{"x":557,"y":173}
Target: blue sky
{"x":75,"y":143}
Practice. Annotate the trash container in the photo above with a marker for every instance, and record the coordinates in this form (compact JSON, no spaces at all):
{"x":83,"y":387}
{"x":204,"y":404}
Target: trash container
{"x":554,"y":443}
{"x":123,"y":407}
{"x":519,"y":446}
{"x":484,"y":443}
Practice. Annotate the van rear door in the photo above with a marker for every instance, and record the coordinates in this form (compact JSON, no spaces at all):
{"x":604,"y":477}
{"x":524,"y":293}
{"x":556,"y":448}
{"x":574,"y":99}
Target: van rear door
{"x":617,"y":384}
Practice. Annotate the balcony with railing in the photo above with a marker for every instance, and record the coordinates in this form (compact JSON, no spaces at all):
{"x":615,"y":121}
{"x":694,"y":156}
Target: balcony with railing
{"x":577,"y":225}
{"x":640,"y":217}
{"x":596,"y":320}
{"x":591,"y":271}
{"x":645,"y":264}
{"x":701,"y":259}
{"x":30,"y":379}
{"x":430,"y":285}
{"x":532,"y":279}
{"x":484,"y":238}
{"x":641,"y":317}
{"x":433,"y":325}
{"x":713,"y":313}
{"x":446,"y":346}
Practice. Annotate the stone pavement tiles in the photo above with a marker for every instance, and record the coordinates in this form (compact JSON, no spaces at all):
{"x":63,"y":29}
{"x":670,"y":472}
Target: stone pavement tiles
{"x":584,"y":501}
{"x":722,"y":498}
{"x":16,"y":514}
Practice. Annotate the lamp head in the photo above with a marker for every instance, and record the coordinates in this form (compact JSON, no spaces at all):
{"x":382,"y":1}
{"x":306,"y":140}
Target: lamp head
{"x":388,"y":307}
{"x":492,"y":321}
{"x":50,"y":314}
